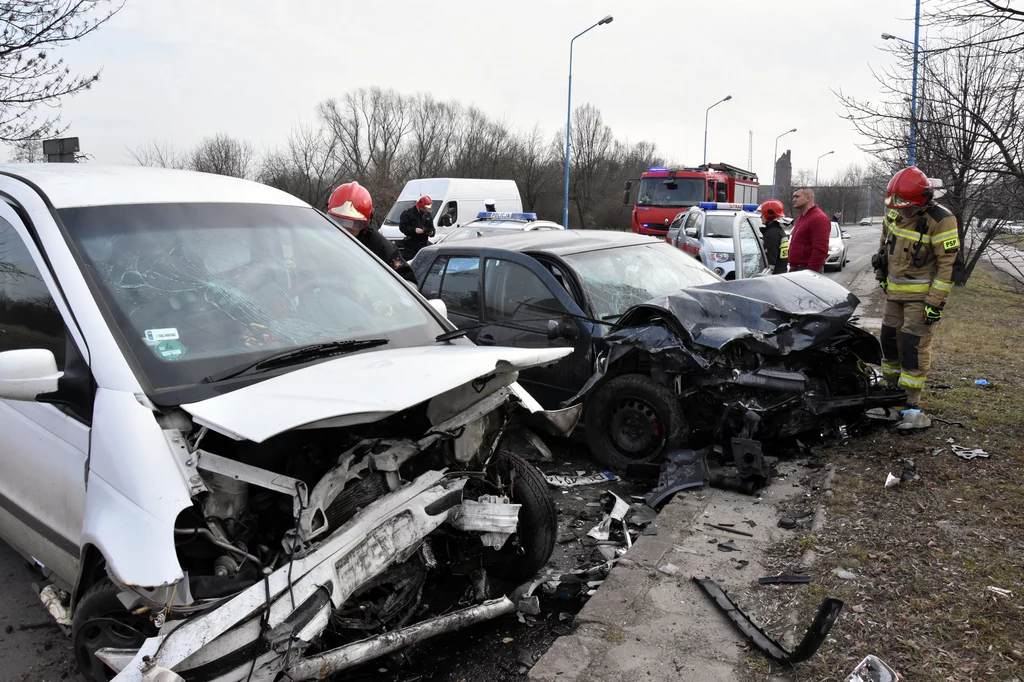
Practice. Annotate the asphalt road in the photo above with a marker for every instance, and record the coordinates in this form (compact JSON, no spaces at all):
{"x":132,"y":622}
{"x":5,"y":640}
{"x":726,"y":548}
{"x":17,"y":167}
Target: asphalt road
{"x":31,"y":648}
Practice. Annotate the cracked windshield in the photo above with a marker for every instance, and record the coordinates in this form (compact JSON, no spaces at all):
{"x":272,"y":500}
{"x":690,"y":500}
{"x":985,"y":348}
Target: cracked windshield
{"x":617,"y":279}
{"x":204,"y":287}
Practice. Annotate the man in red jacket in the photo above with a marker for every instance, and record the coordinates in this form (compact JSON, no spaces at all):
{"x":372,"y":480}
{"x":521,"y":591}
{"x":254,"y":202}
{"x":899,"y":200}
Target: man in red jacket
{"x":808,"y":245}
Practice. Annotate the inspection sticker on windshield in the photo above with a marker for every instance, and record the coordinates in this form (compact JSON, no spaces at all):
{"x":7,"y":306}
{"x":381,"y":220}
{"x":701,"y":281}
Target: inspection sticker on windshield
{"x":167,"y":334}
{"x":170,"y":350}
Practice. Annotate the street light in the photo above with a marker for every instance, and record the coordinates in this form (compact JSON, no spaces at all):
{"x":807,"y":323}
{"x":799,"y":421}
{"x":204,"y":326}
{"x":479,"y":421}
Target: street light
{"x":568,"y":121}
{"x":724,"y":99}
{"x":775,"y":158}
{"x":816,"y":168}
{"x":912,"y":147}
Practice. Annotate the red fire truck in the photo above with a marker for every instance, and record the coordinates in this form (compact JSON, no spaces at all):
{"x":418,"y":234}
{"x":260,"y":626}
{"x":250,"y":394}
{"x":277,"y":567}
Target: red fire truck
{"x":663,"y":193}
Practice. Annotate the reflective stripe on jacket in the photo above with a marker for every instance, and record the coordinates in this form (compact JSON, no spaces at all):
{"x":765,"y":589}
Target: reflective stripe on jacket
{"x":920,"y":261}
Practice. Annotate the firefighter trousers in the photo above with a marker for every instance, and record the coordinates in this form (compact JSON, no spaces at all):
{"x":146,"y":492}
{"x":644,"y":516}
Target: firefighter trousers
{"x":906,"y":347}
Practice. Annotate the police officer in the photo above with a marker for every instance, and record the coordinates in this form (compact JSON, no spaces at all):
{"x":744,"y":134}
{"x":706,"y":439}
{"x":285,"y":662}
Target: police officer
{"x":914,"y":266}
{"x":352,"y":207}
{"x":776,"y":241}
{"x":417,"y":225}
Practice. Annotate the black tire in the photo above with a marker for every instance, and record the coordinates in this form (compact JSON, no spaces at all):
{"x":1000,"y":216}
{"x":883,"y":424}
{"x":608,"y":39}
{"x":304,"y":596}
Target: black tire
{"x":529,"y":549}
{"x":101,"y":620}
{"x":632,"y":420}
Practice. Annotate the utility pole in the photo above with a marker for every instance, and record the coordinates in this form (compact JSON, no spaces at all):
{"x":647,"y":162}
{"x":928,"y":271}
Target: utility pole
{"x":750,"y":152}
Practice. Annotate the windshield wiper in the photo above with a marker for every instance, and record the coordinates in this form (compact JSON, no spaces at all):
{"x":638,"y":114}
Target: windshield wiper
{"x":294,"y":356}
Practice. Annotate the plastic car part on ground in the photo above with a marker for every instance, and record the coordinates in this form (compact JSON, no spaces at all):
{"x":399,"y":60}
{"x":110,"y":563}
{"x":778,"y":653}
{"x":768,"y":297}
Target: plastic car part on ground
{"x":575,"y":481}
{"x":873,"y":669}
{"x":815,"y":636}
{"x":681,"y":469}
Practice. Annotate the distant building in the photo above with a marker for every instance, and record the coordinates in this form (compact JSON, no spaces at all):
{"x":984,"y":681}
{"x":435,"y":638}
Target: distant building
{"x":784,"y":170}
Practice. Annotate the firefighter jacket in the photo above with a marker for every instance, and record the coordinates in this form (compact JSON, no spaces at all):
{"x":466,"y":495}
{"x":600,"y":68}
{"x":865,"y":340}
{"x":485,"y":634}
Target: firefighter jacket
{"x":776,"y":247}
{"x":917,"y":256}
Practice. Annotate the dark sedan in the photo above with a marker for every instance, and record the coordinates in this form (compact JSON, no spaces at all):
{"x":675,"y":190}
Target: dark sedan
{"x":666,"y":352}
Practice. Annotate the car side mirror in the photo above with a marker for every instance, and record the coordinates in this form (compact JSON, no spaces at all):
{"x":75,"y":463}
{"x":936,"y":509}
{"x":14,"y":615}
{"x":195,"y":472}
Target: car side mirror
{"x":25,"y":374}
{"x":690,"y":231}
{"x":445,"y":221}
{"x":562,"y":329}
{"x":625,"y":197}
{"x":439,"y":306}
{"x":846,"y":235}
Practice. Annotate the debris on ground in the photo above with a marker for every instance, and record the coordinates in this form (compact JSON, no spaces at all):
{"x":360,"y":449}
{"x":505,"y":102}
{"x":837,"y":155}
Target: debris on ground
{"x":1000,"y":591}
{"x":53,"y":599}
{"x":681,"y":469}
{"x":909,"y":474}
{"x":981,"y":382}
{"x":557,"y":481}
{"x":813,"y":638}
{"x":873,"y":669}
{"x":891,"y":481}
{"x":669,"y":569}
{"x":729,"y":530}
{"x":969,"y":453}
{"x":784,"y":579}
{"x":729,"y":546}
{"x":843,"y":574}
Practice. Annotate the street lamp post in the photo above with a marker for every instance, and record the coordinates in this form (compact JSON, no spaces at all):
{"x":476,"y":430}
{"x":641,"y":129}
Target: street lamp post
{"x":568,"y":121}
{"x":816,"y":168}
{"x":724,"y":99}
{"x":775,"y":158}
{"x":912,"y":147}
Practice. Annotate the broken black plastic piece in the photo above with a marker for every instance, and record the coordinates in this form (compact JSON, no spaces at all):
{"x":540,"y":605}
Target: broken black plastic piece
{"x":681,"y":469}
{"x":828,"y":613}
{"x":784,"y":579}
{"x":729,"y":530}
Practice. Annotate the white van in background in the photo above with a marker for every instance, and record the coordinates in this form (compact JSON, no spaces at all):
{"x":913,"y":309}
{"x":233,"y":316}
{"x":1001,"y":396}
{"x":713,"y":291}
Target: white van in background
{"x":456,"y":201}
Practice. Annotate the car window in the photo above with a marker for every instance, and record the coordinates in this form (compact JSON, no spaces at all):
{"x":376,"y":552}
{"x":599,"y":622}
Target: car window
{"x":29,"y":318}
{"x":460,"y":286}
{"x":677,"y":221}
{"x":432,"y":282}
{"x":195,"y":289}
{"x":452,"y":209}
{"x":835,"y":230}
{"x":718,"y":225}
{"x":513,"y":293}
{"x":753,"y":259}
{"x":617,"y":279}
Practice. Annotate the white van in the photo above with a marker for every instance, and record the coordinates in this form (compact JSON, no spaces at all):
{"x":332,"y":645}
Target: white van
{"x":456,"y":201}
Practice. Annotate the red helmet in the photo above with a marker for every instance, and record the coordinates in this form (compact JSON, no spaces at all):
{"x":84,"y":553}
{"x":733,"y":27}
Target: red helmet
{"x":909,"y":187}
{"x":351,"y":206}
{"x":424,"y":202}
{"x":772,"y":210}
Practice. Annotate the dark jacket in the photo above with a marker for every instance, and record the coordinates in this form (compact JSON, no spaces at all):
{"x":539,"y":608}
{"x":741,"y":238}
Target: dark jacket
{"x":383,"y":248}
{"x":808,"y":245}
{"x":412,"y":218}
{"x":776,"y":247}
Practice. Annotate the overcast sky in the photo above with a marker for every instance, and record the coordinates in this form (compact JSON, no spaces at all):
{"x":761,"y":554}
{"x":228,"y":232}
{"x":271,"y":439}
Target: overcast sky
{"x":178,"y":71}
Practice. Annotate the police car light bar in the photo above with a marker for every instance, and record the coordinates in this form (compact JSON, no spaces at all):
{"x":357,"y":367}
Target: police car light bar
{"x":718,"y":206}
{"x":503,"y":215}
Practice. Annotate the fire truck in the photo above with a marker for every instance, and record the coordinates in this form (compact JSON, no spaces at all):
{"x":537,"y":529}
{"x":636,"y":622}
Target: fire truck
{"x":663,"y":193}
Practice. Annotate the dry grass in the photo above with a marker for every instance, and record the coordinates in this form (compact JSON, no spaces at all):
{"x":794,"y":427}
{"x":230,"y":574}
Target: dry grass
{"x":927,"y":552}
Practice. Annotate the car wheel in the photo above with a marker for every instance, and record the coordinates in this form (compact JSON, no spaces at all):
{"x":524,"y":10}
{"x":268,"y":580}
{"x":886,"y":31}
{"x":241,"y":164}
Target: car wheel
{"x":632,"y":420}
{"x":529,"y":549}
{"x":101,"y":621}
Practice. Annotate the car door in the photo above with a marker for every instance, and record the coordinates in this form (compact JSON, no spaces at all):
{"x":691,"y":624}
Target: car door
{"x":455,"y":279}
{"x":44,"y":444}
{"x":749,"y":252}
{"x":691,"y":234}
{"x":521,"y":297}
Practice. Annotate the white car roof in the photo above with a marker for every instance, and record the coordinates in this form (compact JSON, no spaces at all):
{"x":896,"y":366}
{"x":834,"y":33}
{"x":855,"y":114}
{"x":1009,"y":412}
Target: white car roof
{"x":513,"y":224}
{"x":68,"y":185}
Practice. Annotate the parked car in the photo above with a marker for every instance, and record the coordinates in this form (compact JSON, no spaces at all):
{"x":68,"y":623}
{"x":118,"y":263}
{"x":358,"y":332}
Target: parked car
{"x":707,"y":234}
{"x":664,"y":350}
{"x":490,"y":223}
{"x":837,"y":248}
{"x":224,"y":425}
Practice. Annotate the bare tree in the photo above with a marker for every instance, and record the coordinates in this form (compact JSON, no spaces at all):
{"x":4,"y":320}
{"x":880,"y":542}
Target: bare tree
{"x":592,"y":142}
{"x":27,"y":151}
{"x":532,"y":168}
{"x":223,"y":155}
{"x":29,"y":76}
{"x":307,"y":167}
{"x":992,"y":24}
{"x":158,"y":155}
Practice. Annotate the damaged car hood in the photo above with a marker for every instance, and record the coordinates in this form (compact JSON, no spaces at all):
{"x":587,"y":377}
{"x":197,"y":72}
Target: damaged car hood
{"x":773,"y":315}
{"x":358,"y":388}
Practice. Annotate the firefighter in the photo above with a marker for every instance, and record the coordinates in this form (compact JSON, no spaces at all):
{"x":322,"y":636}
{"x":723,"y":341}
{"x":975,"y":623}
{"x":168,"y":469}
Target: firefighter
{"x":416,"y":223}
{"x":914,"y":266}
{"x":776,"y":241}
{"x":352,"y":208}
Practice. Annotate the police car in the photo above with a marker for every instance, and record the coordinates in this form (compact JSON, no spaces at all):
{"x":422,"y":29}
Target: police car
{"x":498,"y":222}
{"x":705,"y":231}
